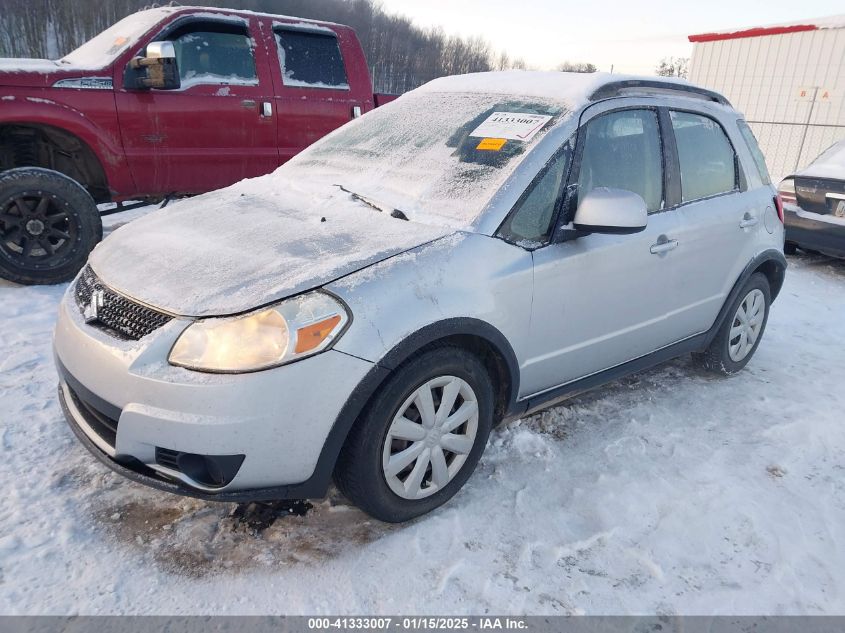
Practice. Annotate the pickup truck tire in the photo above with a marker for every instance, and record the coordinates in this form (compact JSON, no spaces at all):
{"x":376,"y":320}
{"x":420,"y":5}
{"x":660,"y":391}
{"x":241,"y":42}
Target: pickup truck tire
{"x":48,"y":226}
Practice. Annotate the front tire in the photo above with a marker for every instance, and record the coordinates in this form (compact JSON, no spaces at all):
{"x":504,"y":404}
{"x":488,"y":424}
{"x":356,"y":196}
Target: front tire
{"x":48,"y":226}
{"x":741,"y":332}
{"x":420,"y":438}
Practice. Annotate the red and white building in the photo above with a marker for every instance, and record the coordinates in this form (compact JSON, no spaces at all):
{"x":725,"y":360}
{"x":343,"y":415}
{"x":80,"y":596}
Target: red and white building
{"x":788,"y":80}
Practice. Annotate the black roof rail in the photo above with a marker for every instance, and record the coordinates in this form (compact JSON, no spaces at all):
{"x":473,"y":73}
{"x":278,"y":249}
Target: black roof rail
{"x":621,"y":87}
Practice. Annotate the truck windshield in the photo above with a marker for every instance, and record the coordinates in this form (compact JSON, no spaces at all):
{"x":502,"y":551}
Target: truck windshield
{"x":439,"y":157}
{"x":103,"y":49}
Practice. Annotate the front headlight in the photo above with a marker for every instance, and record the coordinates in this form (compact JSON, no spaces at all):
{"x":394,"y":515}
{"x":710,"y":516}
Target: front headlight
{"x":290,"y":330}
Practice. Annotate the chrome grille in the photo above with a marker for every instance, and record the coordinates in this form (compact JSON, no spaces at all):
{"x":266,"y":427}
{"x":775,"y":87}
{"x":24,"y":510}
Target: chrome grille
{"x":116,"y":315}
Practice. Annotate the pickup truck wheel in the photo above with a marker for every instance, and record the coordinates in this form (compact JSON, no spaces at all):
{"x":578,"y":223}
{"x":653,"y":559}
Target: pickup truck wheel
{"x":48,"y":226}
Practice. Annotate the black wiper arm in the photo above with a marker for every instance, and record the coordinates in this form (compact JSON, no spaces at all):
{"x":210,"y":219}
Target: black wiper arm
{"x":393,"y":213}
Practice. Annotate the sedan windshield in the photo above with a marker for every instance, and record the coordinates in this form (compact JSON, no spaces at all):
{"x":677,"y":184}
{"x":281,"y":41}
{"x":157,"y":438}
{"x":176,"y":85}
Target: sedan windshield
{"x":437,"y":157}
{"x":103,"y":49}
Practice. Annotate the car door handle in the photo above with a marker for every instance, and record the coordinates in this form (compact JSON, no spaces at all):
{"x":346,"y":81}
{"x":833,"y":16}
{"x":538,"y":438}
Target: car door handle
{"x":249,"y":104}
{"x":663,"y":247}
{"x":747,"y":221}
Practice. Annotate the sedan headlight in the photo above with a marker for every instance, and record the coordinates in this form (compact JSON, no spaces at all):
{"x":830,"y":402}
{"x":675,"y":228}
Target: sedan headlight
{"x":290,"y":330}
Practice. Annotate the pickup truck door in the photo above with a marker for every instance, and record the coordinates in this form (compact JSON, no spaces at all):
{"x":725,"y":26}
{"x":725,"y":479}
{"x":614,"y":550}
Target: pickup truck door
{"x":322,"y":82}
{"x":219,"y":127}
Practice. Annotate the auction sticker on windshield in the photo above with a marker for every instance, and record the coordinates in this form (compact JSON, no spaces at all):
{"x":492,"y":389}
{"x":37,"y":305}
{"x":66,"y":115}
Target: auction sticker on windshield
{"x":515,"y":126}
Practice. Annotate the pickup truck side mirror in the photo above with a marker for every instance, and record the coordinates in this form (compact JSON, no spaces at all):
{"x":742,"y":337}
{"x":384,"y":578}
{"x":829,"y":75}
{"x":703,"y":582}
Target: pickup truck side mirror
{"x":615,"y":211}
{"x":157,"y":70}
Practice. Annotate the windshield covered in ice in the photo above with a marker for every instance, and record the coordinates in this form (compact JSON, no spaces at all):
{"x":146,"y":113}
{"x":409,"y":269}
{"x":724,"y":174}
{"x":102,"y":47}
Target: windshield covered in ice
{"x":103,"y":49}
{"x":435,"y":157}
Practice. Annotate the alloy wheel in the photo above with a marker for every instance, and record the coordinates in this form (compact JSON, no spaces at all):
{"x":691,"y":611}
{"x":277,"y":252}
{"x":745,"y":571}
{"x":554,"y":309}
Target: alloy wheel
{"x":37,"y":228}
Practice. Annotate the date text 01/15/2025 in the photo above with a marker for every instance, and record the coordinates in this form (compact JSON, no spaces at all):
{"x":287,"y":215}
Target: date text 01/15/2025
{"x":417,"y":623}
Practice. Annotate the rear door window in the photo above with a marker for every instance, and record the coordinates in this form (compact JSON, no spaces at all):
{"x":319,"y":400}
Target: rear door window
{"x":756,"y":153}
{"x":706,"y":156}
{"x":622,"y":151}
{"x":311,"y":60}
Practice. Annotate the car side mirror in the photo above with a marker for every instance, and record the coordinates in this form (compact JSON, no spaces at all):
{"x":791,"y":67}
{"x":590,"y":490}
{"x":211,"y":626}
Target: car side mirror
{"x":157,"y":70}
{"x":614,"y":211}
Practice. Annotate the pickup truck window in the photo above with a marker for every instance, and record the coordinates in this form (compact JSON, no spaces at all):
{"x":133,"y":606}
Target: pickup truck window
{"x":311,"y":59}
{"x":214,"y":53}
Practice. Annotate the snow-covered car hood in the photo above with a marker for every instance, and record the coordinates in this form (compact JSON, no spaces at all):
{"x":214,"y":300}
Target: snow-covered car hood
{"x":256,"y":242}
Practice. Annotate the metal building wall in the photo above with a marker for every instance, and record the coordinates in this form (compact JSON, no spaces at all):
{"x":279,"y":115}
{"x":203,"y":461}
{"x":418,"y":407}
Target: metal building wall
{"x":773,"y":79}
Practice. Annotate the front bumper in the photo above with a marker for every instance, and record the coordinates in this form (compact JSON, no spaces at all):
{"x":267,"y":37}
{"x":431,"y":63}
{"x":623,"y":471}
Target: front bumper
{"x":278,"y":420}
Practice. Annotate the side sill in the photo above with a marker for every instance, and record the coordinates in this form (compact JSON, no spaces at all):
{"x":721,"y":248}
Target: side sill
{"x":538,"y":402}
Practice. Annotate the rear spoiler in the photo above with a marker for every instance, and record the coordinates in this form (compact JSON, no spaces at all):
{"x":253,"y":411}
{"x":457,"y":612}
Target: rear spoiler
{"x":628,"y":87}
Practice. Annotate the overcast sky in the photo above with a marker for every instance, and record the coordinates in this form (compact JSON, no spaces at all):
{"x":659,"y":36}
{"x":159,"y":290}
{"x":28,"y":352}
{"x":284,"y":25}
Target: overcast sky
{"x":631,"y":35}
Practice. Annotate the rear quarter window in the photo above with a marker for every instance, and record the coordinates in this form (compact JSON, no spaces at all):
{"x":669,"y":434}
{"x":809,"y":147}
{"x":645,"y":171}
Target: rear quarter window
{"x":756,"y":153}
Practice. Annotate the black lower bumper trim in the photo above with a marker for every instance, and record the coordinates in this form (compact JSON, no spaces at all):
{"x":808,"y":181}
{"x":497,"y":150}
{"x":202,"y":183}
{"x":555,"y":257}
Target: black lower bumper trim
{"x":136,"y":471}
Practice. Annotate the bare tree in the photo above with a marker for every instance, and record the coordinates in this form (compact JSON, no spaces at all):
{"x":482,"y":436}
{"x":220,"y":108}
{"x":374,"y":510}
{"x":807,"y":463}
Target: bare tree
{"x":673,"y":67}
{"x":576,"y":67}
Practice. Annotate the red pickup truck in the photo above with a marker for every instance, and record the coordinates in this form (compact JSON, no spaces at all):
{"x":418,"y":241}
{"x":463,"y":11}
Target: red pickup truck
{"x":167,"y":102}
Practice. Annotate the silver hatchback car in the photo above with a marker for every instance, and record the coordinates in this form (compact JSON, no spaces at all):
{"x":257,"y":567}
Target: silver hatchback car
{"x":476,"y":250}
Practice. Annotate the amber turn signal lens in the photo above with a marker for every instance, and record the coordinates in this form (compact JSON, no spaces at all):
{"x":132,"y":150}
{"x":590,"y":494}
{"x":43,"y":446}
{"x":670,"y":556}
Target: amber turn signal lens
{"x":310,"y":336}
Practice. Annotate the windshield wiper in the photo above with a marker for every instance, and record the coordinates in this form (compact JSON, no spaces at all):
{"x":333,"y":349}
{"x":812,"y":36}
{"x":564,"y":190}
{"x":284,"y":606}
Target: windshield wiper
{"x":393,"y":213}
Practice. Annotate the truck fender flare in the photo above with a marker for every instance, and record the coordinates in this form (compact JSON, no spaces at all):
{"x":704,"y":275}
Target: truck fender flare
{"x":46,"y":113}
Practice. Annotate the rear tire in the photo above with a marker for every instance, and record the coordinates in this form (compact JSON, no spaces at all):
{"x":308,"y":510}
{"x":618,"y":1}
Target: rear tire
{"x":48,"y":226}
{"x":742,"y":330}
{"x":444,"y":445}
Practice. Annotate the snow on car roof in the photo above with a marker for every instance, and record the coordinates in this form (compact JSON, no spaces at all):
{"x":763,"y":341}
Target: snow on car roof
{"x":296,"y":20}
{"x":572,"y":89}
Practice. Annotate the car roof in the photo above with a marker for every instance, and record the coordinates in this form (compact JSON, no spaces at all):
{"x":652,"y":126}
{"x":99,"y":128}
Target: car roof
{"x":574,"y":89}
{"x":205,"y":11}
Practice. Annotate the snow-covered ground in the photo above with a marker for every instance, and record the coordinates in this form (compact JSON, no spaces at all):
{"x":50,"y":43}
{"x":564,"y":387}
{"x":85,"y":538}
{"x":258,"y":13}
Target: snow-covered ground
{"x":669,"y":492}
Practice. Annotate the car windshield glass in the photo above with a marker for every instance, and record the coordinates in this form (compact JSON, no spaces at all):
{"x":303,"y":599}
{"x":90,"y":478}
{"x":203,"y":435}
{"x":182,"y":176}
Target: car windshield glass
{"x":103,"y":49}
{"x":438,"y":157}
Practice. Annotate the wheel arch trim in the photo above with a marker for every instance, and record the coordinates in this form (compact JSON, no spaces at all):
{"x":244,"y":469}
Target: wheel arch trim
{"x":771,"y":263}
{"x":440,"y":331}
{"x":102,"y":147}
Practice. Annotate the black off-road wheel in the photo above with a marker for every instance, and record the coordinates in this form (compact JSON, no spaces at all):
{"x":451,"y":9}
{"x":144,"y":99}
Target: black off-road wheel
{"x":420,"y":438}
{"x":48,"y":226}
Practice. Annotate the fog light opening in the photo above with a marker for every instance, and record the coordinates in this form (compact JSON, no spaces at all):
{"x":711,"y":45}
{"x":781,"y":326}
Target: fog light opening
{"x":212,"y":471}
